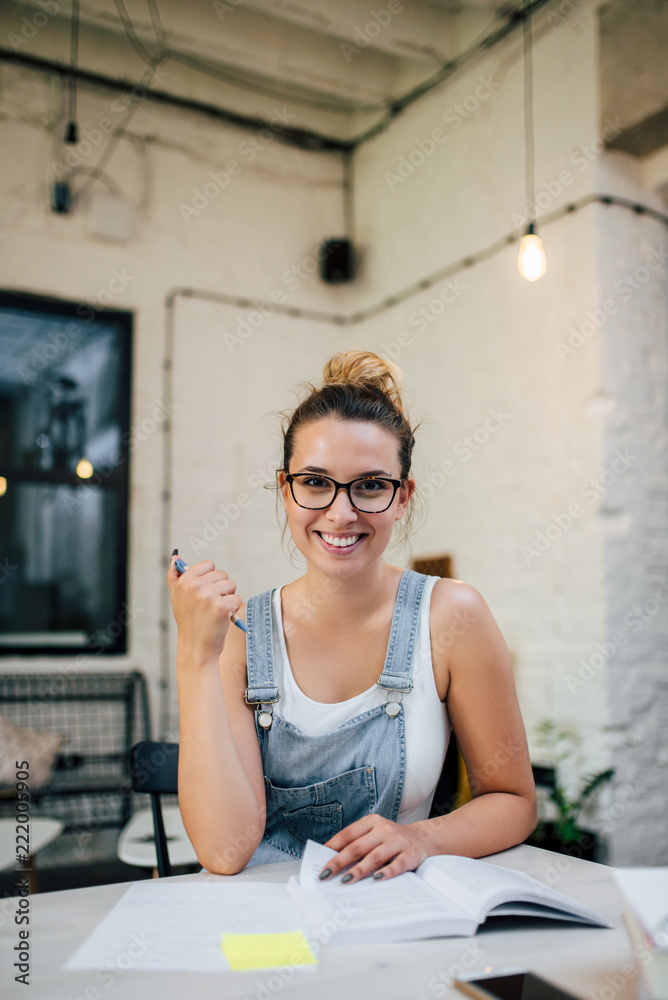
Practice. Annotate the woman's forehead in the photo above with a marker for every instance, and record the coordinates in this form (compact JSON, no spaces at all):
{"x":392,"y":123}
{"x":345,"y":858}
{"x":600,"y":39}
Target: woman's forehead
{"x":342,"y":441}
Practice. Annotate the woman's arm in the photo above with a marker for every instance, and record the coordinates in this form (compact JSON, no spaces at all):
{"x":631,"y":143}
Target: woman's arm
{"x":221,"y":786}
{"x":472,"y":670}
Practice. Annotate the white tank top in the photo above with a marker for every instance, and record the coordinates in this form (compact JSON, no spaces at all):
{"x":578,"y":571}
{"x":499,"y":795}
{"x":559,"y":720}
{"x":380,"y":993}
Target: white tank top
{"x":426,"y":718}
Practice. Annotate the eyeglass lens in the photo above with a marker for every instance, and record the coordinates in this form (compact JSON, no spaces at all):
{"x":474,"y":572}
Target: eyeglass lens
{"x":368,"y":495}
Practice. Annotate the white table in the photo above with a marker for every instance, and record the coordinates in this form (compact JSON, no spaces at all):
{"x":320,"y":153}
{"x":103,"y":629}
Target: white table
{"x":577,"y":958}
{"x":136,"y":843}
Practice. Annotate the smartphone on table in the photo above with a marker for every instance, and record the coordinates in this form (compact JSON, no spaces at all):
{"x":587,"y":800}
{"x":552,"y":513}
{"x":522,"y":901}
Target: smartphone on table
{"x":510,"y":984}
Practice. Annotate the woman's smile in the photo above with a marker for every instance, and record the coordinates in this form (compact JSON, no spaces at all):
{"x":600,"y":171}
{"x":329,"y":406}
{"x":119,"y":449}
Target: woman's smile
{"x":342,"y":543}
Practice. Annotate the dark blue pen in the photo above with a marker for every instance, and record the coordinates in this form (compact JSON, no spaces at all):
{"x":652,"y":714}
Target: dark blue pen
{"x":181,"y":568}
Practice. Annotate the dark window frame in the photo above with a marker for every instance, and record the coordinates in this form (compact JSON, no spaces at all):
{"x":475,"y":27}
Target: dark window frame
{"x":117,"y":481}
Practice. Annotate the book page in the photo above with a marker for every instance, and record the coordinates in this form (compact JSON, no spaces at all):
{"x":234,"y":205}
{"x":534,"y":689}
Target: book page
{"x":475,"y":885}
{"x":480,"y":887}
{"x":395,"y":902}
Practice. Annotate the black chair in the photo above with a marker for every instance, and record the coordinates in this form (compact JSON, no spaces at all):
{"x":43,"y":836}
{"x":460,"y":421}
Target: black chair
{"x":154,"y":770}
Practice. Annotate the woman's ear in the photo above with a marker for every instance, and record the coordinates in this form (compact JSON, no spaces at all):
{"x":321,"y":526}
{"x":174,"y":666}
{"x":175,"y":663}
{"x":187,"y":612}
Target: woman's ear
{"x":406,"y":491}
{"x":284,"y":487}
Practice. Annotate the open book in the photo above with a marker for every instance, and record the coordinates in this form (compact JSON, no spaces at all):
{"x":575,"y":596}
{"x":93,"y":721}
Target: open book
{"x":447,"y":896}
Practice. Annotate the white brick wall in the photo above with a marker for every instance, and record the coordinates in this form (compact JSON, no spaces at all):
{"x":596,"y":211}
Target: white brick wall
{"x":634,"y":516}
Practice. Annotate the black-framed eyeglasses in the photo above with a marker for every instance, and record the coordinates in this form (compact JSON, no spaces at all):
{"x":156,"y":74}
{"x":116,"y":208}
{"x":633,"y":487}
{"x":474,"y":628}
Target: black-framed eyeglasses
{"x":369,"y":494}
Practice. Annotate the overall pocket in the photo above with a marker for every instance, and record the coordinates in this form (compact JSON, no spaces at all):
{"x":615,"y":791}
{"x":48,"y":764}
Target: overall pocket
{"x":317,"y":812}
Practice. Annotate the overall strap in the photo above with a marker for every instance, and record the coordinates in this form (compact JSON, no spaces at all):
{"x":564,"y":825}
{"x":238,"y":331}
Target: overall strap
{"x":396,"y":675}
{"x":260,"y":652}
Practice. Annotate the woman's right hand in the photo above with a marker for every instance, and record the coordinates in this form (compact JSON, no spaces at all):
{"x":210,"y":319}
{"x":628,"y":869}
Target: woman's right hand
{"x":203,"y":601}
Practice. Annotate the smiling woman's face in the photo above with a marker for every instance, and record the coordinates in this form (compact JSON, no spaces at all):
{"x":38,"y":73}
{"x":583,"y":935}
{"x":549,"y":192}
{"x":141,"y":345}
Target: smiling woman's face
{"x":342,"y":539}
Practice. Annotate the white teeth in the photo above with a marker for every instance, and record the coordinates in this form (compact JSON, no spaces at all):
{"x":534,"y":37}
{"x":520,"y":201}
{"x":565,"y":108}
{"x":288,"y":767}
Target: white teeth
{"x":340,"y":542}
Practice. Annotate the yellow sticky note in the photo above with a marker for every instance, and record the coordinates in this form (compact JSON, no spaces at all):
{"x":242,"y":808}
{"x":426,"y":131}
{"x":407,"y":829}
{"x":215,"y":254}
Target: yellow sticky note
{"x":266,"y":951}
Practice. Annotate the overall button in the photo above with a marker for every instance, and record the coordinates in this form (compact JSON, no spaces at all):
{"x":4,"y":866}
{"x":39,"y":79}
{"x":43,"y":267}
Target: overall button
{"x":393,"y":708}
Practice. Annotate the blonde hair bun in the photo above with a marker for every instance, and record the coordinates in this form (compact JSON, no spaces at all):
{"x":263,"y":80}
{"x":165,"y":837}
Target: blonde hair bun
{"x":363,"y":368}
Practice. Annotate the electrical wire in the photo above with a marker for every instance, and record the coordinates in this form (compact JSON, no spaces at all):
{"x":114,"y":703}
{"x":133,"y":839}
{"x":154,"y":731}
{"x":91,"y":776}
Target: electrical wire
{"x":160,"y":35}
{"x":394,"y":105}
{"x":448,"y":271}
{"x":236,"y":78}
{"x":115,"y":137}
{"x":131,"y":34}
{"x":301,"y":138}
{"x":97,"y":174}
{"x":529,"y":147}
{"x":74,"y":60}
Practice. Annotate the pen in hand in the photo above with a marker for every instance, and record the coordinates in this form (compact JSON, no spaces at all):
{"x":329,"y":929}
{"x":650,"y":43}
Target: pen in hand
{"x":181,"y":567}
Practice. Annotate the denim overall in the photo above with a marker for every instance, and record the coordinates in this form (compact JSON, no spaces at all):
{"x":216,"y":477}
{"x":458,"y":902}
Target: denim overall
{"x":316,"y":785}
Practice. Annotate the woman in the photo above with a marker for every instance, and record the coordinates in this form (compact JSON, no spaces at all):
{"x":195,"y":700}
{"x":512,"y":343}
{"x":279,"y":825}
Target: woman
{"x":332,"y":720}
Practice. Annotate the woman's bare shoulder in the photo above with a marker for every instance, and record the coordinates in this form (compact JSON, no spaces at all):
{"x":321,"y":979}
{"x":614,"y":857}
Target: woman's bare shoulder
{"x":454,"y":601}
{"x":461,"y":626}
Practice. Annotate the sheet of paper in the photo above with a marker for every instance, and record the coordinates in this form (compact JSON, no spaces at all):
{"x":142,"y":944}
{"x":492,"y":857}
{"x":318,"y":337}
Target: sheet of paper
{"x":647,"y":891}
{"x":267,"y":951}
{"x":167,"y":926}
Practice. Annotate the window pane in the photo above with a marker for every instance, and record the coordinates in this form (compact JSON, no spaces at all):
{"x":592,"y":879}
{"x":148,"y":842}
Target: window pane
{"x":63,"y":565}
{"x":64,"y":430}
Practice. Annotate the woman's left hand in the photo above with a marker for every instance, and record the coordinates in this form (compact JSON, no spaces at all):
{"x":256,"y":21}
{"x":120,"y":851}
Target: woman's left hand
{"x":377,"y":846}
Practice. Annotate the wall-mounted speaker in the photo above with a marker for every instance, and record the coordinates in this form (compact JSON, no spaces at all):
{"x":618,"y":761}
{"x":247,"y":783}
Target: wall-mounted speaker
{"x":337,"y":261}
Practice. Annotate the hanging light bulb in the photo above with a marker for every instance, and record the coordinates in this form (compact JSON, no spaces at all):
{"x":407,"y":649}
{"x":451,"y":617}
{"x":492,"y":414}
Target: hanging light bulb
{"x":531,"y":261}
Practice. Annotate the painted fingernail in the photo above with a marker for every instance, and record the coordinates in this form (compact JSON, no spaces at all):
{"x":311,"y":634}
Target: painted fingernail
{"x":378,"y":875}
{"x":347,"y":878}
{"x":174,"y":553}
{"x":325,"y":873}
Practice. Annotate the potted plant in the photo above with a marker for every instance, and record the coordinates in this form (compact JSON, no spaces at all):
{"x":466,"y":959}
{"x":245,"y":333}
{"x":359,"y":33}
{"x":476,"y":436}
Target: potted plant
{"x":561,"y":830}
